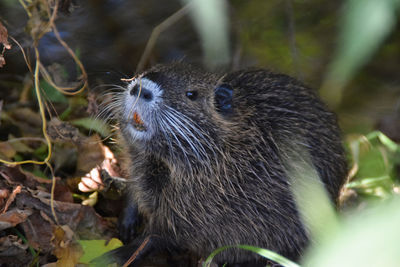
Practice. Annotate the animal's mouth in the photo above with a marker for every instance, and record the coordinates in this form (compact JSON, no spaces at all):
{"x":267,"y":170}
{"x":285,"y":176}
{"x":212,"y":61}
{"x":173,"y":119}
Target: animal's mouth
{"x":137,"y":123}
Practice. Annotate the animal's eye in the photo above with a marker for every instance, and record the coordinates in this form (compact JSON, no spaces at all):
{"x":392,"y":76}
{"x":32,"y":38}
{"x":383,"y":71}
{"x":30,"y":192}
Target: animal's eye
{"x":192,"y":95}
{"x":223,"y":98}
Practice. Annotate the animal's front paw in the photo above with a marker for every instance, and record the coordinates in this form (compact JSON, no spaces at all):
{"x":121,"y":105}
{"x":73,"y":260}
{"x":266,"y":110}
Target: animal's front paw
{"x":128,"y":223}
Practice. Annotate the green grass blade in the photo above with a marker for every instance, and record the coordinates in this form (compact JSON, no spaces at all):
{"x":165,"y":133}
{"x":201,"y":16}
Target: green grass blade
{"x":260,"y":251}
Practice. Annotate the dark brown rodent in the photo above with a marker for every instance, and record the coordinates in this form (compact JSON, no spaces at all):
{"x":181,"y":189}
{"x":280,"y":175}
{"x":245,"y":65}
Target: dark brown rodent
{"x":207,"y":158}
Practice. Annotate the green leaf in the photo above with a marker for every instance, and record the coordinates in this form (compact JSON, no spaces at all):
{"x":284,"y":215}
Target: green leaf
{"x":368,"y":182}
{"x":315,"y":206}
{"x":365,"y":25}
{"x":52,"y":94}
{"x":39,"y":173}
{"x":369,"y":238}
{"x":375,"y":155}
{"x":211,"y":20}
{"x":93,"y":124}
{"x":95,"y":248}
{"x":388,"y":143}
{"x":260,"y":251}
{"x":41,"y":152}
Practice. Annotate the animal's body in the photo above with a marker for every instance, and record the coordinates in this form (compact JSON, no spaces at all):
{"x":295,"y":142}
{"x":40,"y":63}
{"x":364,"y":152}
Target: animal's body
{"x":206,"y":163}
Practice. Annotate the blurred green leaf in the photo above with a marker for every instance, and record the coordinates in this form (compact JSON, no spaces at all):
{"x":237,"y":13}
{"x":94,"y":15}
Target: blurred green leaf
{"x":93,"y":124}
{"x":95,"y":248}
{"x":315,"y":206}
{"x":41,"y":152}
{"x":375,"y":156}
{"x":52,"y":94}
{"x":75,"y":103}
{"x":37,"y":172}
{"x":365,"y":25}
{"x":211,"y":20}
{"x":260,"y":251}
{"x":369,"y":238}
{"x":388,"y":143}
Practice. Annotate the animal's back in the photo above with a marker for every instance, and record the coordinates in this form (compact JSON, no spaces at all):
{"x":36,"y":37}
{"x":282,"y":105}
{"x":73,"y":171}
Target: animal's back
{"x":292,"y":115}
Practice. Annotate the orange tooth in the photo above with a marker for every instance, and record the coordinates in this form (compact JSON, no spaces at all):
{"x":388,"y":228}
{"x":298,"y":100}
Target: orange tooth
{"x":137,"y":119}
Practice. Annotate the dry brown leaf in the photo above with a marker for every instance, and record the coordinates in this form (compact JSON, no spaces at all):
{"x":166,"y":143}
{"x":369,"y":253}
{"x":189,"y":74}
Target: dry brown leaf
{"x":90,"y":154}
{"x":28,"y":121}
{"x":7,"y":150}
{"x":14,"y":251}
{"x":38,"y":232}
{"x":13,"y":217}
{"x":19,"y":146}
{"x":9,"y":240}
{"x":16,"y":191}
{"x":4,"y":41}
{"x":66,"y":248}
{"x":60,"y":131}
{"x":83,"y":220}
{"x":4,"y":36}
{"x":37,"y":24}
{"x":4,"y":193}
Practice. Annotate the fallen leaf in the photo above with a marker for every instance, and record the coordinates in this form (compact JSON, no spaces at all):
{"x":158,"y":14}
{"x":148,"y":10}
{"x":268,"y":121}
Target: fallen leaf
{"x":16,"y":191}
{"x":83,"y":220}
{"x":93,"y":124}
{"x":60,"y":131}
{"x":13,"y":217}
{"x":38,"y":232}
{"x":37,"y":24}
{"x":28,"y":121}
{"x":66,"y":248}
{"x":19,"y":146}
{"x":4,"y":194}
{"x":4,"y":36}
{"x":90,"y":154}
{"x":7,"y":150}
{"x":9,"y":240}
{"x":95,"y":248}
{"x":4,"y":41}
{"x":13,"y":252}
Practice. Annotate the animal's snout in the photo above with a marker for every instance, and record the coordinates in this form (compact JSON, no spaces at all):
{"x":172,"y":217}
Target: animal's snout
{"x":142,"y":92}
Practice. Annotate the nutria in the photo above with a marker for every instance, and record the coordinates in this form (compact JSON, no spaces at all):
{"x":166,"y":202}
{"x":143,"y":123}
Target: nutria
{"x":206,"y":163}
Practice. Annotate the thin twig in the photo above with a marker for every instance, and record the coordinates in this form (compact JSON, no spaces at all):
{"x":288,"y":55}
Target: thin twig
{"x":43,"y":116}
{"x":25,"y":7}
{"x":157,"y":31}
{"x":133,"y":257}
{"x":46,"y":75}
{"x":292,"y":39}
{"x":53,"y":188}
{"x":77,"y":61}
{"x":23,"y":53}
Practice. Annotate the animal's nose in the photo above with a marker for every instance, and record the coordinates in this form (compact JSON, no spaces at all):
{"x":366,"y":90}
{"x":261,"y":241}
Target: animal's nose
{"x":143,"y":93}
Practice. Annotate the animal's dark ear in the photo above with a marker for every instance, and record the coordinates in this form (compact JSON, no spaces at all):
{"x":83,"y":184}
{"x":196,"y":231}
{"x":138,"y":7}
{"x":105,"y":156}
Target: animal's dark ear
{"x":223,"y":98}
